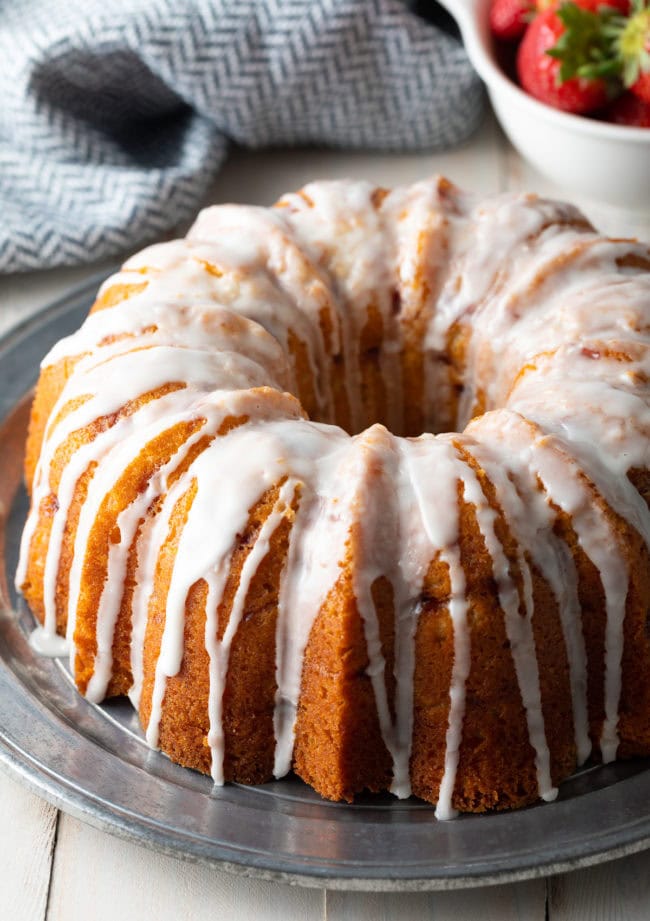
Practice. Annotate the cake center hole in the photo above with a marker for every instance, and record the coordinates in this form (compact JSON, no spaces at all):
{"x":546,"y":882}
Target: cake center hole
{"x":395,"y":400}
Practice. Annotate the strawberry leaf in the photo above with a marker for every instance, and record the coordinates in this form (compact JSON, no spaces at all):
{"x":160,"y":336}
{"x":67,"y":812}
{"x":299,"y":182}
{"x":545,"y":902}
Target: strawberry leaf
{"x":631,"y":39}
{"x":586,"y":48}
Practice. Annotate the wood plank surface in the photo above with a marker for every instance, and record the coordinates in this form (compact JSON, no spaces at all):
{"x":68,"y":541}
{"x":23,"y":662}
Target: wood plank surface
{"x":616,"y":891}
{"x":97,"y":877}
{"x":514,"y":902}
{"x":252,"y":177}
{"x":27,"y":837}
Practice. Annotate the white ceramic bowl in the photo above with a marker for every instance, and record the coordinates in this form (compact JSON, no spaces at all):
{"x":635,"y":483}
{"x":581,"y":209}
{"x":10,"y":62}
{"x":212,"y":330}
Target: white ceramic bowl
{"x":589,"y":158}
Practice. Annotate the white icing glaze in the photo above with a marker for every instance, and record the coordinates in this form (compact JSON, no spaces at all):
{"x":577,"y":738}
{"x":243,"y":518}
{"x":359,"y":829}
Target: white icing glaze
{"x":531,"y":523}
{"x":555,"y":320}
{"x":544,"y":460}
{"x":460,"y":671}
{"x":47,"y":644}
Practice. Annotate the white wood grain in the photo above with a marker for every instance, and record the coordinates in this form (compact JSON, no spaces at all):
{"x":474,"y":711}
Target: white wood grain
{"x":261,"y":177}
{"x":27,"y":837}
{"x":514,"y":902}
{"x":98,"y":877}
{"x":23,"y":294}
{"x":616,"y":891}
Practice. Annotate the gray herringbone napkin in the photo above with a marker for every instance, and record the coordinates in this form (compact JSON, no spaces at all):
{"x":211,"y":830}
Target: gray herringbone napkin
{"x":115,"y":115}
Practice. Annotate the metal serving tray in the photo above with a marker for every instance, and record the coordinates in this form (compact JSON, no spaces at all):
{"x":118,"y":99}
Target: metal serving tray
{"x":92,"y":761}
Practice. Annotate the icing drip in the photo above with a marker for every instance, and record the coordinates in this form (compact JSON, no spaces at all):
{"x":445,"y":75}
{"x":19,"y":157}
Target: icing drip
{"x":544,"y":460}
{"x":379,"y":526}
{"x":436,"y":500}
{"x":127,"y":524}
{"x":316,"y":547}
{"x":595,"y":537}
{"x":46,"y":644}
{"x":519,"y":632}
{"x":531,"y":523}
{"x":459,"y":675}
{"x":219,"y":650}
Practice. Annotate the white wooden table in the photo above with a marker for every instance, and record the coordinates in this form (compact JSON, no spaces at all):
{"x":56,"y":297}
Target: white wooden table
{"x":54,"y":867}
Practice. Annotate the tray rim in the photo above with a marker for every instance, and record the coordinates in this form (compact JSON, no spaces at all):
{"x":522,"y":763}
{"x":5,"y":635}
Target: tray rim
{"x":62,"y":793}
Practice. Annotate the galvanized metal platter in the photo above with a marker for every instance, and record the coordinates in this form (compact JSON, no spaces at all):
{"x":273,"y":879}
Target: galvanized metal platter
{"x":92,"y":760}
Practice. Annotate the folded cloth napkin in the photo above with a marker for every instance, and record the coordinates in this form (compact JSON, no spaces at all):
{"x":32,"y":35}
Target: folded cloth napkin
{"x":115,"y":115}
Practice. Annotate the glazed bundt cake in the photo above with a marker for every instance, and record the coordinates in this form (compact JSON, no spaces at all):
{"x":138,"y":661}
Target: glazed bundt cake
{"x":237,"y":520}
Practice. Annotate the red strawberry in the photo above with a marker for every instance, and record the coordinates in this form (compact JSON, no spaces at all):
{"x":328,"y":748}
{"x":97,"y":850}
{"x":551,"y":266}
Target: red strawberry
{"x":605,"y":42}
{"x":541,"y":75}
{"x":628,"y":109}
{"x":641,"y":87}
{"x":621,"y":6}
{"x":509,"y":18}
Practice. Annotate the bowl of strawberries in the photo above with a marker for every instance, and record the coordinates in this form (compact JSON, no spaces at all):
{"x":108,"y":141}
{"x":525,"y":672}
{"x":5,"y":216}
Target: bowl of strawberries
{"x":569,"y":81}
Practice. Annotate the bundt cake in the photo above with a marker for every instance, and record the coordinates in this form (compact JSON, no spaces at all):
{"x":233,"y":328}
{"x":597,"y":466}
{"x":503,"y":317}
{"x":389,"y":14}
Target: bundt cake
{"x":240,"y":519}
